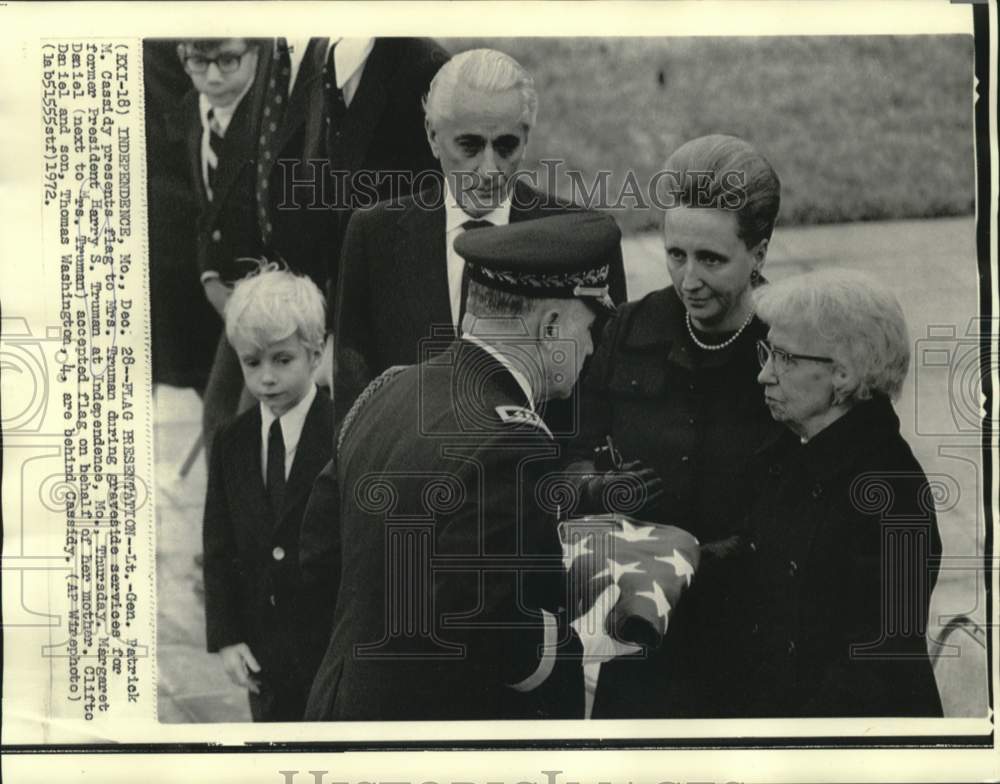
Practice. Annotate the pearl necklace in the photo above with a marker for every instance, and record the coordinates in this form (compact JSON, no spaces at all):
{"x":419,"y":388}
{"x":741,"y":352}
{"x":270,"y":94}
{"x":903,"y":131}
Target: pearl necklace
{"x":715,"y":346}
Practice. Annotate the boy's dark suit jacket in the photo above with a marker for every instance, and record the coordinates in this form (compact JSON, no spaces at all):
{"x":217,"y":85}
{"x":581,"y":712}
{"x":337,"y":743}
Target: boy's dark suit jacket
{"x":383,"y":130}
{"x":227,"y":224}
{"x":394,"y":285}
{"x":251,"y":563}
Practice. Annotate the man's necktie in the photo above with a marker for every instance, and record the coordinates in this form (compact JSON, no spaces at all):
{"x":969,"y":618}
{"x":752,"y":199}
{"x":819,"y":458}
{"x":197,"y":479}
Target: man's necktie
{"x":469,"y":225}
{"x":275,"y":99}
{"x":214,"y":151}
{"x":275,"y":480}
{"x":334,"y":105}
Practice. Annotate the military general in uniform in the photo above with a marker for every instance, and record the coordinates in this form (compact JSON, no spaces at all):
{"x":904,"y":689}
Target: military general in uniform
{"x":451,"y":596}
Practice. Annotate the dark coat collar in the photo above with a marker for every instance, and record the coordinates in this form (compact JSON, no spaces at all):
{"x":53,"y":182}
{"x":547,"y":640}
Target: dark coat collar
{"x":657,"y":323}
{"x":839,"y":446}
{"x":857,"y":433}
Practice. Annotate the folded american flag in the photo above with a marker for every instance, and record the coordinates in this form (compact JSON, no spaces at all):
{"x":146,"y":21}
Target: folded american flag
{"x":651,"y":564}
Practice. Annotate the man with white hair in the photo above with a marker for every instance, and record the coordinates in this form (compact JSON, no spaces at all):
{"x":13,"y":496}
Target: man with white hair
{"x":401,"y":280}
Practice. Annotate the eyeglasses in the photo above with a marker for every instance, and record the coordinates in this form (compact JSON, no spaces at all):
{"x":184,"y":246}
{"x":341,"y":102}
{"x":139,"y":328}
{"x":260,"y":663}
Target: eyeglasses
{"x":227,"y":62}
{"x":784,"y":360}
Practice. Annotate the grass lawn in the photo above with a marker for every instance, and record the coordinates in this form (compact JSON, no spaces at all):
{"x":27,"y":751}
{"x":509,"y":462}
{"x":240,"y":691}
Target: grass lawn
{"x":858,"y":128}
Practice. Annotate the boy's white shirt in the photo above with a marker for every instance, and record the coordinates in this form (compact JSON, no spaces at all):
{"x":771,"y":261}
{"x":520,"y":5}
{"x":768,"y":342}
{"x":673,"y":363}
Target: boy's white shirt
{"x":292,"y":422}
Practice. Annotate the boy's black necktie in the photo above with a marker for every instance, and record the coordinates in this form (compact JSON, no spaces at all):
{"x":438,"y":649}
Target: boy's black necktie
{"x":469,"y":225}
{"x":275,"y":469}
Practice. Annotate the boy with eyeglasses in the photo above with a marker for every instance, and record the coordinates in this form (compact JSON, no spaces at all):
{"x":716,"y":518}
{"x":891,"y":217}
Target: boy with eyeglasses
{"x":222,"y":144}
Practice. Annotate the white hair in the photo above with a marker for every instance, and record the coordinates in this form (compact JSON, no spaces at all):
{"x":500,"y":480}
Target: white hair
{"x":859,"y":317}
{"x":271,"y":304}
{"x":482,"y":70}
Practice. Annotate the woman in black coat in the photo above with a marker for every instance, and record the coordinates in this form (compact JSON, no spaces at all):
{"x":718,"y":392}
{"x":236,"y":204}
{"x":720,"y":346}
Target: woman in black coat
{"x":844,"y":533}
{"x":672,"y":384}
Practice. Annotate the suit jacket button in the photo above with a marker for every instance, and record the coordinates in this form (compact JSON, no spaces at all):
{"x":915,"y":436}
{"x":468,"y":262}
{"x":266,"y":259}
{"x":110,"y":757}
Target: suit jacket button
{"x":216,"y":236}
{"x":278,"y":553}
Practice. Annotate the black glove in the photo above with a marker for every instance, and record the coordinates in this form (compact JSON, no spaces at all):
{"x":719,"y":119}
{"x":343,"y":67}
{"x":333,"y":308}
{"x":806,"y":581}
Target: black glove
{"x":633,"y":490}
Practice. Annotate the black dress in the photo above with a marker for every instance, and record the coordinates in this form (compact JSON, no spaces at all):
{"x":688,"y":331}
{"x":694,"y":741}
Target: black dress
{"x":696,"y":417}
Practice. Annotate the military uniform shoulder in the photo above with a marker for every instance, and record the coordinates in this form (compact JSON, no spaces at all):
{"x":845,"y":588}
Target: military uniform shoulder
{"x":521,"y":416}
{"x":366,"y":395}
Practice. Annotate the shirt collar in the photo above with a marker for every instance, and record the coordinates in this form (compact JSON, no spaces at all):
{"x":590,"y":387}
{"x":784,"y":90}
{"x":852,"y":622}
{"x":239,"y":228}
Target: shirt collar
{"x":455,"y":216}
{"x":292,"y":421}
{"x":223,"y":114}
{"x":348,"y":57}
{"x":519,"y":377}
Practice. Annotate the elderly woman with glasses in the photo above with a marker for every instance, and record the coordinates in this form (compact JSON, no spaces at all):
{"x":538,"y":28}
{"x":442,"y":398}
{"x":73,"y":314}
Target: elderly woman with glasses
{"x":843,"y":531}
{"x":671,"y":390}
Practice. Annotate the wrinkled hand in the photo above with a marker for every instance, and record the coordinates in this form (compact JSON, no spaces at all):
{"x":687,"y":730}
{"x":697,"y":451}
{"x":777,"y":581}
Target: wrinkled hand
{"x":591,"y":628}
{"x":218,"y":294}
{"x":598,"y":489}
{"x":241,"y":665}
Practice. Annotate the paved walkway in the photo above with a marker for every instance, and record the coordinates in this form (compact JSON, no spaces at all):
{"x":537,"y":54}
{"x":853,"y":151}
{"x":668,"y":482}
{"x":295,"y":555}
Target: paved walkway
{"x":932,"y":266}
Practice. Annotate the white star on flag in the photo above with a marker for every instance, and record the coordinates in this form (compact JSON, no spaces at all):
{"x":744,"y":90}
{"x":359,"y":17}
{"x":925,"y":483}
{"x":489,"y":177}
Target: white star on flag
{"x":616,"y":570}
{"x":659,"y":599}
{"x":635,"y":533}
{"x":576,"y":550}
{"x":681,"y":566}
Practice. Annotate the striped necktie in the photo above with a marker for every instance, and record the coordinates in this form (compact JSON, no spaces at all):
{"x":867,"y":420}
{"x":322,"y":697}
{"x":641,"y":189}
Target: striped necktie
{"x":214,"y":152}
